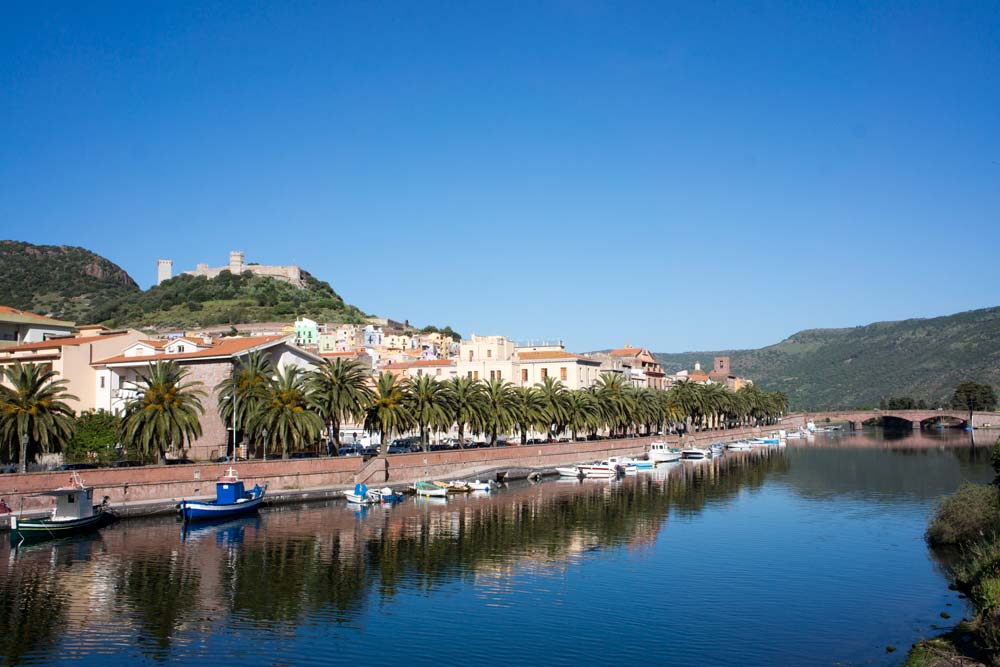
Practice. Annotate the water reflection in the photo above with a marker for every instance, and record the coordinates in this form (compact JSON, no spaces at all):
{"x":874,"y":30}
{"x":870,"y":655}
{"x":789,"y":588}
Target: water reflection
{"x":152,"y":589}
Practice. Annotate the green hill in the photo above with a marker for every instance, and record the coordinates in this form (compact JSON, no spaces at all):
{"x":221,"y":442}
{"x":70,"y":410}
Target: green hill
{"x":856,"y":367}
{"x":61,"y":281}
{"x":76,"y":284}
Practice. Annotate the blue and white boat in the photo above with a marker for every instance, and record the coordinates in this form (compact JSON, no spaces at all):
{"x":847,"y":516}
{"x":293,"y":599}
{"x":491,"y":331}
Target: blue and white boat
{"x":231,"y":499}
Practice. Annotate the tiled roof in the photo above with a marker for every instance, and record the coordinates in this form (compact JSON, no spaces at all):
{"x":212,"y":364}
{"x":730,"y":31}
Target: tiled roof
{"x":626,"y":352}
{"x":226,"y":347}
{"x":423,"y":363}
{"x":554,"y":354}
{"x":55,"y":343}
{"x":18,"y":315}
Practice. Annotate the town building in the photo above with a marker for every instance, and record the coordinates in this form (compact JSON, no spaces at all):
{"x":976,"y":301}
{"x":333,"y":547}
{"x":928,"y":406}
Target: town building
{"x":209,"y":362}
{"x":18,"y":327}
{"x":306,"y":332}
{"x":72,"y":357}
{"x":441,"y":369}
{"x":722,"y":373}
{"x":486,"y":358}
{"x":536,"y":361}
{"x":637,"y":365}
{"x":359,"y":355}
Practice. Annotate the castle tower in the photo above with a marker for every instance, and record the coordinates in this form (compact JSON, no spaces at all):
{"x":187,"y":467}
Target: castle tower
{"x":164,"y":270}
{"x":721,"y":366}
{"x":236,"y":264}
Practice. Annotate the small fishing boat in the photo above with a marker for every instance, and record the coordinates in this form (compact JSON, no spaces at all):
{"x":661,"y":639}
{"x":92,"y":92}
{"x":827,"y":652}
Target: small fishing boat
{"x":74,"y":513}
{"x":572,"y":471}
{"x":601,"y":469}
{"x":488,"y":485}
{"x":660,"y":452}
{"x":739,"y":446}
{"x":231,"y":499}
{"x":430,"y":490}
{"x":359,"y":496}
{"x":384,"y":496}
{"x":622,"y":463}
{"x":694,"y":454}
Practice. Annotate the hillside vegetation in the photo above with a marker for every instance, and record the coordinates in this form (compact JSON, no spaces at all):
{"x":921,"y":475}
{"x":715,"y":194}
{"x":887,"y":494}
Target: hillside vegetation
{"x":64,"y":282}
{"x":834,"y":368}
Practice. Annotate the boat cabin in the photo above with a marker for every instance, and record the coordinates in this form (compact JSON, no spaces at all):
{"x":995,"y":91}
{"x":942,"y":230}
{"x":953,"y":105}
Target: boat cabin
{"x":229,"y":489}
{"x":72,"y":503}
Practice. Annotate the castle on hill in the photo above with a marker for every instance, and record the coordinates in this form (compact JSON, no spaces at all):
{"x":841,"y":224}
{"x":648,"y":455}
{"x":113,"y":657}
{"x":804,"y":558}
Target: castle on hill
{"x":237,"y":266}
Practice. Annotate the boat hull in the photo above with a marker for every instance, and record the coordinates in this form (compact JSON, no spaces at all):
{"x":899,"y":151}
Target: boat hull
{"x":38,"y":530}
{"x":193,"y":510}
{"x":430,"y":490}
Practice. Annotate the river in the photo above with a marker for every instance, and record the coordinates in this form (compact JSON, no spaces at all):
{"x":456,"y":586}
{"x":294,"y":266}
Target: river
{"x":811,"y":554}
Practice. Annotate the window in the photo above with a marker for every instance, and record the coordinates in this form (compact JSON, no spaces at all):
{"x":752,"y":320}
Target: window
{"x":102,"y":382}
{"x":470,"y":375}
{"x":493,"y":375}
{"x":470,"y":355}
{"x":524,"y":375}
{"x":439,"y":371}
{"x":475,"y":375}
{"x":489,"y":354}
{"x":545,"y":373}
{"x":562,"y":373}
{"x":498,"y":376}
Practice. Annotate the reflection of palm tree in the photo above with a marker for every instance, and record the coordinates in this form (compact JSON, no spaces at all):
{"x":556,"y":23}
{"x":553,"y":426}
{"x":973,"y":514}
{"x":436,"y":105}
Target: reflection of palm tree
{"x":33,"y":411}
{"x":166,"y":413}
{"x":162,"y":592}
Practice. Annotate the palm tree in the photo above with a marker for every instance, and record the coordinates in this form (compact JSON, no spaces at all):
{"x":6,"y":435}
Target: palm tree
{"x":614,"y":400}
{"x":529,"y":412}
{"x":286,"y":414}
{"x":687,"y":399}
{"x":167,"y":411}
{"x":468,"y":401}
{"x":340,"y":390}
{"x":387,"y":413}
{"x":553,"y":393}
{"x":582,"y":411}
{"x":428,"y":403}
{"x":500,"y":412}
{"x":34,"y":406}
{"x":243,"y":391}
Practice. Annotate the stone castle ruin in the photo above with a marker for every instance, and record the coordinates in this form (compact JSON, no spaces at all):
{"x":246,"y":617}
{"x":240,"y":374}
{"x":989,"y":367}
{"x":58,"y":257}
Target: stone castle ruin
{"x":237,"y":265}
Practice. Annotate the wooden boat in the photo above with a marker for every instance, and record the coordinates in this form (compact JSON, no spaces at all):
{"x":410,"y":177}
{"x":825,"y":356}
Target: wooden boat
{"x":455,"y":486}
{"x":430,"y":490}
{"x":74,"y":513}
{"x":231,"y":499}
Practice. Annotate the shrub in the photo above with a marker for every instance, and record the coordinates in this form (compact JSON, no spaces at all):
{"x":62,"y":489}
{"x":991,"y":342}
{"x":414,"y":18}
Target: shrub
{"x":971,"y":513}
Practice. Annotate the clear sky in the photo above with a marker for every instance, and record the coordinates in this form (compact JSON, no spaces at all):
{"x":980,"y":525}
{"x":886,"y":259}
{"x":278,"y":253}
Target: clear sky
{"x":678,"y":176}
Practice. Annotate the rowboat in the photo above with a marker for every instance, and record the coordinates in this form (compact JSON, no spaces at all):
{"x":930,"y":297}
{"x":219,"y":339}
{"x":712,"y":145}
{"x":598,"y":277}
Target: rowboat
{"x":231,"y":499}
{"x":74,"y":513}
{"x":430,"y":490}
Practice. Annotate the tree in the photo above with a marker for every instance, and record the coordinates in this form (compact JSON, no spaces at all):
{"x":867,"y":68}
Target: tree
{"x":340,"y":390}
{"x":387,"y":413}
{"x":166,"y":413}
{"x":554,"y":394}
{"x":428,"y":403}
{"x":468,"y":401}
{"x":243,"y":391}
{"x":95,"y":434}
{"x":529,"y":410}
{"x":582,"y":411}
{"x":500,"y":413}
{"x":34,"y":405}
{"x":287,"y":415}
{"x":973,"y":397}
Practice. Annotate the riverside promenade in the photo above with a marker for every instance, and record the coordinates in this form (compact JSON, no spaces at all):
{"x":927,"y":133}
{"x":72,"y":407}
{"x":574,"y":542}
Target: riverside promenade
{"x":151,"y":490}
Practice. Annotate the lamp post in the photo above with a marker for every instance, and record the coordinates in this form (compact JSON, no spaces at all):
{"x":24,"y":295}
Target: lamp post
{"x":235,"y":400}
{"x":24,"y":452}
{"x":264,"y":433}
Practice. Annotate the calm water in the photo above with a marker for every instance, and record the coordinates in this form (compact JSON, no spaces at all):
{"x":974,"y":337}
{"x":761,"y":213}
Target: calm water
{"x":811,"y":555}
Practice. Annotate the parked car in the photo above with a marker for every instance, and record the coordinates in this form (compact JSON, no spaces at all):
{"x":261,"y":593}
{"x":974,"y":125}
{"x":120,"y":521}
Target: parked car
{"x":503,"y":443}
{"x":126,"y":464}
{"x":351,"y":450}
{"x":395,"y":448}
{"x":303,"y":455}
{"x":563,"y":440}
{"x":78,"y":466}
{"x":536,"y":441}
{"x":179,"y":462}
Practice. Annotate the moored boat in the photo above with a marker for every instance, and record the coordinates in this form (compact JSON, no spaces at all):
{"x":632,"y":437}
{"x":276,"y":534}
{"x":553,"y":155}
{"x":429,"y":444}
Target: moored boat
{"x":601,"y":469}
{"x":231,"y":499}
{"x":430,"y":490}
{"x":74,"y":513}
{"x":572,"y":471}
{"x":694,"y":454}
{"x":384,"y":496}
{"x":660,"y":452}
{"x":488,"y":485}
{"x":739,"y":446}
{"x":359,"y":496}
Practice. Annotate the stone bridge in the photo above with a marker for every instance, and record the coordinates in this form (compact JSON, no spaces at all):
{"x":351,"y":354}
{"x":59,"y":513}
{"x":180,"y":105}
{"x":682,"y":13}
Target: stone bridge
{"x":917,"y":418}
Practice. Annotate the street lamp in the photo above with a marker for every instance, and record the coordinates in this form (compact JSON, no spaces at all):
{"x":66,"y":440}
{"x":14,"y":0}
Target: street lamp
{"x":24,"y":452}
{"x":235,"y":400}
{"x":264,"y":433}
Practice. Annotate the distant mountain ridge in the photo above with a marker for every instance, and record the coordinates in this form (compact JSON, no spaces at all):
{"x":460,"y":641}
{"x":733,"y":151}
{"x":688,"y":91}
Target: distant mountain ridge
{"x":856,"y":367}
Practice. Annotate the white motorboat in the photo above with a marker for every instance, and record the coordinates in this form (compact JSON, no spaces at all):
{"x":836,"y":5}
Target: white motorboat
{"x":602,"y":469}
{"x":694,"y":454}
{"x":573,"y":471}
{"x":488,"y":485}
{"x":739,"y":446}
{"x":623,"y":463}
{"x":660,"y":452}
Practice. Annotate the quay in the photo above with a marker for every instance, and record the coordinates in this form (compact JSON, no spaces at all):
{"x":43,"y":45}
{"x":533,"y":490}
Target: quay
{"x":156,"y":490}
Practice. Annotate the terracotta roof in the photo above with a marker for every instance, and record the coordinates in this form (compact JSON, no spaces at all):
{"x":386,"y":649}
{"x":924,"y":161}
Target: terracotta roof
{"x":54,"y":343}
{"x":351,"y":353}
{"x":7,"y":310}
{"x":226,"y":347}
{"x":158,"y":344}
{"x":626,"y":352}
{"x":423,"y":363}
{"x":554,"y":354}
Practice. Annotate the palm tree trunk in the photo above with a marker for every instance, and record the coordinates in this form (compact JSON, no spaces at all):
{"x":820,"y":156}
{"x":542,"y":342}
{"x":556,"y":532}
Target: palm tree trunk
{"x":24,"y":454}
{"x":493,"y":437}
{"x":335,"y":432}
{"x":461,"y":435}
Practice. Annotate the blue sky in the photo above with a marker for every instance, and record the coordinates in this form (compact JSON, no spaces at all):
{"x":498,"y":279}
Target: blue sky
{"x":697,"y":176}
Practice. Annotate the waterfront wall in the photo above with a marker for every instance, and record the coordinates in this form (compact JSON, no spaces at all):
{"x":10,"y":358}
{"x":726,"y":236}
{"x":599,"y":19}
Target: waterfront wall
{"x":159,"y":486}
